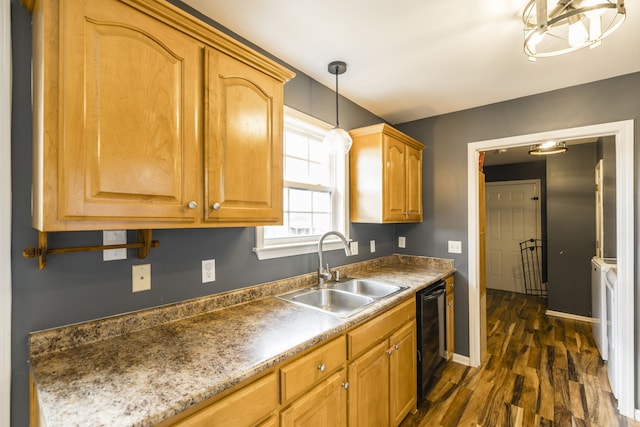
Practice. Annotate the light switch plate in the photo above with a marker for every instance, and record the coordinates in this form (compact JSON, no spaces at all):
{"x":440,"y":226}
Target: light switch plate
{"x":354,"y":248}
{"x":140,"y":277}
{"x":114,"y":237}
{"x":455,"y":247}
{"x":402,"y":242}
{"x":208,"y":270}
{"x":372,"y":246}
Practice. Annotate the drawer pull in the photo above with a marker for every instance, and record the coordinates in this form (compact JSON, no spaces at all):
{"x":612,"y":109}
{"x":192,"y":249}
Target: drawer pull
{"x":322,"y":367}
{"x":345,"y":385}
{"x":215,"y":206}
{"x":192,"y":205}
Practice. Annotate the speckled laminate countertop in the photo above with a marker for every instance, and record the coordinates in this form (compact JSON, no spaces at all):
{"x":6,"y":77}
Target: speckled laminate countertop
{"x":142,"y":368}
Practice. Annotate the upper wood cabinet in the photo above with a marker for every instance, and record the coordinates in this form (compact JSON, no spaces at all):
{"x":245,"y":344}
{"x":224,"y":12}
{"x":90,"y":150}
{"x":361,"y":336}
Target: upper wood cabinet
{"x":145,"y":117}
{"x":243,"y":142}
{"x":386,"y":176}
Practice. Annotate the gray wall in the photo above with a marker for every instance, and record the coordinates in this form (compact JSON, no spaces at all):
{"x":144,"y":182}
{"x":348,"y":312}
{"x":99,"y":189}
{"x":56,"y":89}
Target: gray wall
{"x":445,"y":164}
{"x":80,"y":287}
{"x":571,"y":225}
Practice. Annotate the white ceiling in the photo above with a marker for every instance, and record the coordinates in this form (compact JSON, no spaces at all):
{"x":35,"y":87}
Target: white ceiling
{"x":412,"y":59}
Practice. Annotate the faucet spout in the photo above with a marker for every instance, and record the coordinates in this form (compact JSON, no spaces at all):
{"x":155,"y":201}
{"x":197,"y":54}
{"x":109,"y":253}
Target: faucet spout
{"x":325,"y":274}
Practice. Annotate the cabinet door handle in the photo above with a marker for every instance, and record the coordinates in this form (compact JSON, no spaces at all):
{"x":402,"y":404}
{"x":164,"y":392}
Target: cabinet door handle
{"x":345,"y":385}
{"x":322,"y":367}
{"x":391,"y":349}
{"x":215,"y":206}
{"x":192,"y":205}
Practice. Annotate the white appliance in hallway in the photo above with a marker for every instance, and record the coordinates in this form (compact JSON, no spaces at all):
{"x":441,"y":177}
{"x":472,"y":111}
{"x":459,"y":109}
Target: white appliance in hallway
{"x":600,"y":299}
{"x":612,"y":326}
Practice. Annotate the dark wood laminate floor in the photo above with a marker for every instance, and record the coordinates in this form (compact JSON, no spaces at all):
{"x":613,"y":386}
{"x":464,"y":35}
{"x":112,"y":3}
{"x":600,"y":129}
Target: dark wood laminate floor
{"x":538,"y":371}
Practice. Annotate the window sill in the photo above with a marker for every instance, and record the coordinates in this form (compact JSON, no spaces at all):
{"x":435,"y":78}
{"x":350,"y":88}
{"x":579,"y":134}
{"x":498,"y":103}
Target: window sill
{"x":292,"y":249}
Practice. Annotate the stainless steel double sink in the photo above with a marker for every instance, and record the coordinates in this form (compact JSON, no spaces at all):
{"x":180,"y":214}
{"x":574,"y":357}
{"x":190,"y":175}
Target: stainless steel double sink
{"x":344,"y":298}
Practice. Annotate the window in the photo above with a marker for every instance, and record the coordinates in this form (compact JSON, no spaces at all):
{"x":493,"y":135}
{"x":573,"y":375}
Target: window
{"x":314,"y":193}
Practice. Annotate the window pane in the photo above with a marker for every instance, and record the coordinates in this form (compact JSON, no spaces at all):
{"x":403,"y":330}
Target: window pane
{"x":319,"y":174}
{"x":321,"y":201}
{"x":296,"y":145}
{"x":296,"y":170}
{"x":300,"y":200}
{"x":321,"y":223}
{"x":300,"y":223}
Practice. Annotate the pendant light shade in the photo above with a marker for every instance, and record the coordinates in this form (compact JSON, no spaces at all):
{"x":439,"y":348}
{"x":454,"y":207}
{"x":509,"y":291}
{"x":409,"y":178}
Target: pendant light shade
{"x":337,"y":139}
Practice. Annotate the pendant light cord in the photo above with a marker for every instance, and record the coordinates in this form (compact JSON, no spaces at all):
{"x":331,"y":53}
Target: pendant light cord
{"x":337,"y":115}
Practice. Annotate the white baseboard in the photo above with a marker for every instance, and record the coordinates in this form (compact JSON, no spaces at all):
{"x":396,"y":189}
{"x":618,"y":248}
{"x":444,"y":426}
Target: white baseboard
{"x":637,"y":414}
{"x":570,"y":316}
{"x":458,"y":358}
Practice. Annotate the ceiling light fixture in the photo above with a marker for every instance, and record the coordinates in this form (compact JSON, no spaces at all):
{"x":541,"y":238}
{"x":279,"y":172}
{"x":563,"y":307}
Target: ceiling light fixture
{"x":556,"y":27}
{"x":338,"y":139}
{"x":546,"y":148}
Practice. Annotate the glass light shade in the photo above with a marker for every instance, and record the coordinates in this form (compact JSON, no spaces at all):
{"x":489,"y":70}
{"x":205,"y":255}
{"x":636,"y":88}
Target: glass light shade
{"x":338,"y":140}
{"x":578,"y":34}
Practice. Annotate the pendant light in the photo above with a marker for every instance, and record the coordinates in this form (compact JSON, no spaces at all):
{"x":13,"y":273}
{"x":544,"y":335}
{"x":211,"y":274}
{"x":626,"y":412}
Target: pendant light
{"x":338,"y":139}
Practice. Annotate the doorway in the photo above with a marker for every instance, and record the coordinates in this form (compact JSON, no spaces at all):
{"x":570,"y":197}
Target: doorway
{"x":625,"y":334}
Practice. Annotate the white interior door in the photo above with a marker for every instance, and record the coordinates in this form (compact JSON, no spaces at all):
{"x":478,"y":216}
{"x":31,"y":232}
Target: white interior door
{"x":513,"y":216}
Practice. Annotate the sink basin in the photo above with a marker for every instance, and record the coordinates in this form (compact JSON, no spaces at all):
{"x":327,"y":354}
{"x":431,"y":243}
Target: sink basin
{"x":342,"y":299}
{"x":343,"y":304}
{"x":366,"y":287}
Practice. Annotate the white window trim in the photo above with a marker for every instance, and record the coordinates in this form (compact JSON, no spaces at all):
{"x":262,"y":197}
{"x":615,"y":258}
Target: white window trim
{"x":310,"y":246}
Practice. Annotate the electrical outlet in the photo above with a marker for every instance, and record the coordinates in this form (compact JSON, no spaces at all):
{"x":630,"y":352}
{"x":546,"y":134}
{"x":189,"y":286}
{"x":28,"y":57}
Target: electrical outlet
{"x":372,"y":246}
{"x":208,"y":270}
{"x":455,"y":247}
{"x":140,"y":277}
{"x":354,"y":248}
{"x":114,"y":237}
{"x":402,"y":242}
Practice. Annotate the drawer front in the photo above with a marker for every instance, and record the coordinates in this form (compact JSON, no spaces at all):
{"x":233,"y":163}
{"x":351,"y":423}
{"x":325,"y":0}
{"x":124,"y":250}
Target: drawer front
{"x":365,"y":336}
{"x":234,"y":410}
{"x":301,"y":374}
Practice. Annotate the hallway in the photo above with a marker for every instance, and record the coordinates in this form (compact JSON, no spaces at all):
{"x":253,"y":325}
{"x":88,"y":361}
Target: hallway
{"x":538,"y":371}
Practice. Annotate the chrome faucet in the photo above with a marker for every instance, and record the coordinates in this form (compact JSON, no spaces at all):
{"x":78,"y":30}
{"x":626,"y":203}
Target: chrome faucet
{"x":325,"y":274}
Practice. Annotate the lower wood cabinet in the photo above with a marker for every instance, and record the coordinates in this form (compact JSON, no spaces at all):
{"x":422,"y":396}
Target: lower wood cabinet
{"x":324,"y":405}
{"x":382,"y":368}
{"x":366,"y":377}
{"x":252,"y":405}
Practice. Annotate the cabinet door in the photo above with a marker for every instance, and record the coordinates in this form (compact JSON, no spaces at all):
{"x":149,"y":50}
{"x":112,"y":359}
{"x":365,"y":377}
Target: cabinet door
{"x":414,"y":185}
{"x":128,"y":144}
{"x":402,"y":373}
{"x":369,"y":388}
{"x":325,"y":405}
{"x":395,"y":176}
{"x":243,"y":143}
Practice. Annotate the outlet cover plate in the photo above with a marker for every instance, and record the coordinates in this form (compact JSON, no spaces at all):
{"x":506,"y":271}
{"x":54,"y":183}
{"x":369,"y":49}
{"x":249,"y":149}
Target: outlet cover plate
{"x":354,"y":247}
{"x":372,"y":246}
{"x":402,"y":242}
{"x":114,"y":237}
{"x":208,"y":270}
{"x":140,"y":277}
{"x":455,"y":247}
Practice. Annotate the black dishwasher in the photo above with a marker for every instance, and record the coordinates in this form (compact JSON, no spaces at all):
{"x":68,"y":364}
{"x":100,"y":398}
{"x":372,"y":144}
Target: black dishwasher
{"x":430,"y":316}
